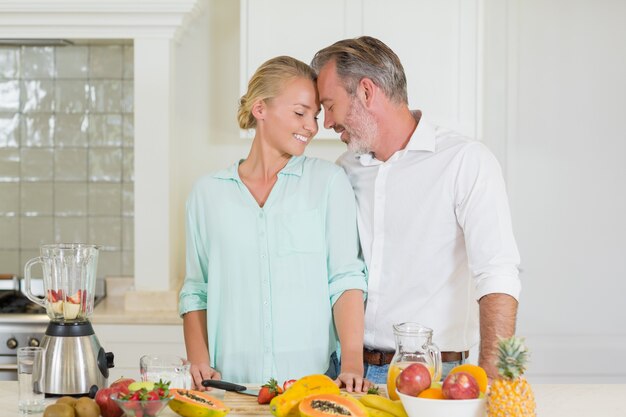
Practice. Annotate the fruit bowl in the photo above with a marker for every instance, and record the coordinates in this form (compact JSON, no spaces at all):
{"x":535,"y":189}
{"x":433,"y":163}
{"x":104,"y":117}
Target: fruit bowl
{"x":420,"y":407}
{"x":141,"y":408}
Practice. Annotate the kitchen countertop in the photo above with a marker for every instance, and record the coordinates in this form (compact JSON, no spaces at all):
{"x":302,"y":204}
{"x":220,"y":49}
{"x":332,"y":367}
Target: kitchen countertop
{"x":553,"y":400}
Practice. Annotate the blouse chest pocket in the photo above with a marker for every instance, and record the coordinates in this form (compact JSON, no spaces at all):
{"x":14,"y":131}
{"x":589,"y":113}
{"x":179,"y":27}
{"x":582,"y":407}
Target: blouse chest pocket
{"x":301,"y":232}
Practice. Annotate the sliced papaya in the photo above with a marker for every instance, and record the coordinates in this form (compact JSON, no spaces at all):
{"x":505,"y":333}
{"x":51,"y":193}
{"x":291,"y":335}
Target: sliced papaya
{"x":331,"y":405}
{"x":286,"y":404}
{"x":190,"y":403}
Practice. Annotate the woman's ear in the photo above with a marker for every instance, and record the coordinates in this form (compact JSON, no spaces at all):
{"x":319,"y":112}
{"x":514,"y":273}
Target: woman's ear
{"x":258,"y":109}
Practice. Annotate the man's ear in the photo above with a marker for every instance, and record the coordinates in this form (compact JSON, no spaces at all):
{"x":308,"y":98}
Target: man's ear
{"x":258,"y":109}
{"x":367,"y":91}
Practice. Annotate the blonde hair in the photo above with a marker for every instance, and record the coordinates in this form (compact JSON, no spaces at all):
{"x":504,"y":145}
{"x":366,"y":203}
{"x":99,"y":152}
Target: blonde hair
{"x":267,"y":82}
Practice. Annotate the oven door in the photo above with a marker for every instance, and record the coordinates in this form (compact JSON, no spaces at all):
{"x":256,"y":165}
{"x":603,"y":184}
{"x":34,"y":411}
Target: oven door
{"x":8,"y":368}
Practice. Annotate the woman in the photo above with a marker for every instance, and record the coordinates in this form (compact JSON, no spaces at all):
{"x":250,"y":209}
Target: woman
{"x":274,"y":275}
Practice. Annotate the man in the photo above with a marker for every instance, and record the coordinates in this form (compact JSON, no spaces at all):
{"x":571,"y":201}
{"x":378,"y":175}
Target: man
{"x":433,"y":215}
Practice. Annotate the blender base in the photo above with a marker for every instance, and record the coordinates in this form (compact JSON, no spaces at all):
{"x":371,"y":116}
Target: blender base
{"x":76,"y":364}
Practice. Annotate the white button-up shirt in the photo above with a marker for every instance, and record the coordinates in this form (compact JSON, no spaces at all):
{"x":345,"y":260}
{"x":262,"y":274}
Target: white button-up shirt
{"x":436,"y":235}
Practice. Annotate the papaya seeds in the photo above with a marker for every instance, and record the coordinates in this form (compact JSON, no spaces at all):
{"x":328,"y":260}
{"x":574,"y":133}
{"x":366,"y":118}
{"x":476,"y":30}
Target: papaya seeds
{"x":86,"y":407}
{"x":59,"y":410}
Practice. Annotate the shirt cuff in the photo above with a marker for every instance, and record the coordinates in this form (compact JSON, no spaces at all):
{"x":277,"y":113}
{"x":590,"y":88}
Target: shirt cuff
{"x":192,"y":297}
{"x":348,"y":283}
{"x":502,"y":284}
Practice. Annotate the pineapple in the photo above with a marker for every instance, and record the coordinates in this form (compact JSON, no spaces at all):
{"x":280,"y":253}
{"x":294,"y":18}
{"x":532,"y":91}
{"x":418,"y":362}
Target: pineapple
{"x":510,"y":394}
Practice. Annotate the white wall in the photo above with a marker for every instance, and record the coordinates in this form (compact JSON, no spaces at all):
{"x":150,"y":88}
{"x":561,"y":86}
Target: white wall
{"x":558,"y":72}
{"x":554,"y":97}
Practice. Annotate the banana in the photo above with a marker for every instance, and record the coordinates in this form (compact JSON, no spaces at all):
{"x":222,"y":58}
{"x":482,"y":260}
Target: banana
{"x":375,"y":412}
{"x":385,"y":404}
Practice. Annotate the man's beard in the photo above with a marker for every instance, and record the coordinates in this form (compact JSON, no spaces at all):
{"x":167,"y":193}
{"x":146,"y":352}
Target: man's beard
{"x":361,"y":128}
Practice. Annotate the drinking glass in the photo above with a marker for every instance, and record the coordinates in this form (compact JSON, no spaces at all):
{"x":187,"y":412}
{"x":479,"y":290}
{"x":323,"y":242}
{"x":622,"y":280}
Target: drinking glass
{"x":155,"y":367}
{"x":30,"y":377}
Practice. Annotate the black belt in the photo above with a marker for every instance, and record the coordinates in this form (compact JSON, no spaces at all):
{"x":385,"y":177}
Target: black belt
{"x":376,"y":357}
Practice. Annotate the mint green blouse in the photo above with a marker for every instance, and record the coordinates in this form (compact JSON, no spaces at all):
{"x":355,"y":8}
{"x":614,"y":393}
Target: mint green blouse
{"x":268,"y":277}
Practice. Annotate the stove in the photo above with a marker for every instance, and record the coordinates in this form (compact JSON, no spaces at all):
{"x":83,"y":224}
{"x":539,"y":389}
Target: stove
{"x":22,"y":323}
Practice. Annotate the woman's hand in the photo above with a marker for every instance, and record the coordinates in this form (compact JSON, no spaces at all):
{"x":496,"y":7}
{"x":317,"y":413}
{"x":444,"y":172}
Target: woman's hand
{"x":354,"y":382}
{"x":200,"y":372}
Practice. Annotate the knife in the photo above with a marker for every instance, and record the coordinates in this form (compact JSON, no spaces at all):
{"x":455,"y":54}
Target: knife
{"x":229,"y":386}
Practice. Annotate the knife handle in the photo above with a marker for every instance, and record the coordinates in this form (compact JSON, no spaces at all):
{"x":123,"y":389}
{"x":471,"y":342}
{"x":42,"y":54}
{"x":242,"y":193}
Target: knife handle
{"x":228,"y":386}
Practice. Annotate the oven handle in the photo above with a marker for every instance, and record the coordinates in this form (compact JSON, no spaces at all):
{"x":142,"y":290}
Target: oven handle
{"x":8,"y":367}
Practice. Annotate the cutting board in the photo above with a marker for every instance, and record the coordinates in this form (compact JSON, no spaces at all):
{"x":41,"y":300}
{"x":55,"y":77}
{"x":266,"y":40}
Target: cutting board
{"x":247,"y":404}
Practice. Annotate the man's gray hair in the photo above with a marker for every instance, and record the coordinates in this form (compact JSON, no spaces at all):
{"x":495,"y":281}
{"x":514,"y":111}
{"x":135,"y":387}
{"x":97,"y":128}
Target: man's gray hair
{"x":365,"y":57}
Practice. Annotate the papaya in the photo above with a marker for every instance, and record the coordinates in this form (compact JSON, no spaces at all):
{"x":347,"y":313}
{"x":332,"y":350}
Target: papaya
{"x":286,"y":404}
{"x":190,"y":403}
{"x":331,"y":405}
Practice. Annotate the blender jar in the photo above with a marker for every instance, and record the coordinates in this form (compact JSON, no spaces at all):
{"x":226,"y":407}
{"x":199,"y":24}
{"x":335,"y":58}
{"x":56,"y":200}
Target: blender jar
{"x":69,"y":278}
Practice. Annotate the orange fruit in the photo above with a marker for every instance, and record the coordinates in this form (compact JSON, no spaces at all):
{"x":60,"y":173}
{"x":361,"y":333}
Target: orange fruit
{"x":477,"y":372}
{"x":432,"y":393}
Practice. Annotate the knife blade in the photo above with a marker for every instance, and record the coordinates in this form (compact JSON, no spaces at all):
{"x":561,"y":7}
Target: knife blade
{"x":229,"y":386}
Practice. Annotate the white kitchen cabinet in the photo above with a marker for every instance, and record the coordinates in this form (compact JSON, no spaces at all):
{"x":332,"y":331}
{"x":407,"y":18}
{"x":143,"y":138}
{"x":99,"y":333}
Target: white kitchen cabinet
{"x":129,"y":342}
{"x":436,"y":40}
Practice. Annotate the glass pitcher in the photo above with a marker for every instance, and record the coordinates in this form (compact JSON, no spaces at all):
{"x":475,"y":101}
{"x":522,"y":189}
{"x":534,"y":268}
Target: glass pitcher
{"x":413,"y":344}
{"x":69,"y":280}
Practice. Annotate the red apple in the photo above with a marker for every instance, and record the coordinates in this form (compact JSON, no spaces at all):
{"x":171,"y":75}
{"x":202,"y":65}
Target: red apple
{"x":414,"y":379}
{"x":108,"y":407}
{"x":460,"y":386}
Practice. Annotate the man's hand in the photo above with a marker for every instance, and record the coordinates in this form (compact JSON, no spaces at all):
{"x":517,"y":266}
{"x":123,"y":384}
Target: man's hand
{"x":200,"y":372}
{"x":353,"y":382}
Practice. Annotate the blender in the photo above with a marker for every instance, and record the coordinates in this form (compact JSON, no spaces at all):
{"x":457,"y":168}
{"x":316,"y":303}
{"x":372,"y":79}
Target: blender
{"x":76,"y":364}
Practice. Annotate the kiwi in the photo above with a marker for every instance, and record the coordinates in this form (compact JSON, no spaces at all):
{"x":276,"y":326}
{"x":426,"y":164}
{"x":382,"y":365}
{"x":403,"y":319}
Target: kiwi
{"x":67,"y":400}
{"x":59,"y":410}
{"x":86,"y":407}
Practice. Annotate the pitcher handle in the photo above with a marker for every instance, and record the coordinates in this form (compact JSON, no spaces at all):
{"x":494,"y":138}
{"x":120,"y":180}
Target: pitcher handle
{"x":28,"y":292}
{"x":435,"y":354}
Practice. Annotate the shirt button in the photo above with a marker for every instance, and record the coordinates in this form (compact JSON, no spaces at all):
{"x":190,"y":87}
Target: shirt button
{"x":260,"y":215}
{"x":265,"y":302}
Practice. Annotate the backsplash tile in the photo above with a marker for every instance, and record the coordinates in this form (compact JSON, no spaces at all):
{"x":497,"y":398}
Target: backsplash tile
{"x":36,"y":231}
{"x":70,"y":130}
{"x":106,"y":62}
{"x":9,"y":165}
{"x":10,"y":201}
{"x":37,"y":96}
{"x":10,"y":130}
{"x":105,"y":199}
{"x":70,"y":199}
{"x":105,"y":130}
{"x":72,"y":62}
{"x":70,"y":164}
{"x":70,"y":229}
{"x":38,"y":62}
{"x":105,"y":164}
{"x":36,"y":199}
{"x":36,"y":164}
{"x":10,"y":231}
{"x":38,"y":130}
{"x":71,"y":96}
{"x":10,"y":93}
{"x":66,"y":152}
{"x":9,"y":62}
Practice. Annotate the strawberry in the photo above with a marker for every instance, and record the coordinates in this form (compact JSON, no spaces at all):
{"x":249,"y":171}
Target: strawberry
{"x":288,"y":383}
{"x":269,"y":391}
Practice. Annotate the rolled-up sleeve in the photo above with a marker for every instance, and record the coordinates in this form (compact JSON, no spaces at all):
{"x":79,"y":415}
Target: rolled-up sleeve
{"x":346,"y":269}
{"x":193,"y":294}
{"x":483,"y":212}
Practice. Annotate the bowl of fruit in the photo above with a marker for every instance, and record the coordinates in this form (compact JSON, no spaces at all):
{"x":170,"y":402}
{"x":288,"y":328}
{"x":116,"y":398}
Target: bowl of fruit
{"x":462,"y":393}
{"x":144,"y":399}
